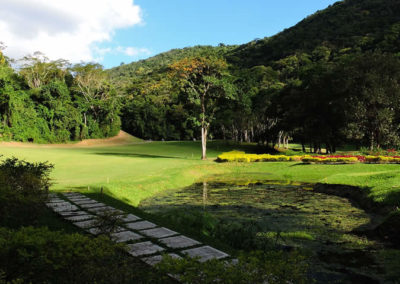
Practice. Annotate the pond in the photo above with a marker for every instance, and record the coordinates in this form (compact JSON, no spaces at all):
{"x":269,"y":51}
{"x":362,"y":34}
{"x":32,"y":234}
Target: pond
{"x":328,"y":228}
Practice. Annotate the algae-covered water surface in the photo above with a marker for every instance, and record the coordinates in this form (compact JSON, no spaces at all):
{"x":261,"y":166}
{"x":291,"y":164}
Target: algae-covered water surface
{"x":330,"y":229}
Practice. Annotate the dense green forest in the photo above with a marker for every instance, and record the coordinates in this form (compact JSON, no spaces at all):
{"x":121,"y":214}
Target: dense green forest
{"x":331,"y":79}
{"x":51,"y":101}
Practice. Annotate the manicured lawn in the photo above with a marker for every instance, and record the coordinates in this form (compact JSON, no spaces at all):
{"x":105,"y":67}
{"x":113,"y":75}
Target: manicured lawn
{"x":134,"y":172}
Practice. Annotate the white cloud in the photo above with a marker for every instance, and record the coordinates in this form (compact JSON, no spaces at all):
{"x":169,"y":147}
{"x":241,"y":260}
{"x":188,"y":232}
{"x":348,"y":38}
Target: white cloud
{"x":133,"y":51}
{"x":68,"y":29}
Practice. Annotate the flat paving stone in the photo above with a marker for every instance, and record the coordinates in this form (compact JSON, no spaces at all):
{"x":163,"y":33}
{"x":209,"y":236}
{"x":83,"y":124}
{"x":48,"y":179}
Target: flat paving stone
{"x":144,"y":248}
{"x":205,"y":253}
{"x":55,"y":200}
{"x":96,"y":231}
{"x":179,"y":242}
{"x":158,"y":233}
{"x":106,"y":209}
{"x":64,"y":207}
{"x":58,"y":204}
{"x":126,"y":236}
{"x":85,"y":224}
{"x":130,"y":218}
{"x":72,"y":213}
{"x":153,"y":260}
{"x":80,"y":218}
{"x":85,"y":201}
{"x":73,"y":194}
{"x":80,"y":199}
{"x":93,"y":205}
{"x":141,"y":225}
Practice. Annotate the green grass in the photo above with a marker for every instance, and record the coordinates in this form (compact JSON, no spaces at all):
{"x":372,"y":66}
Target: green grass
{"x":134,"y":172}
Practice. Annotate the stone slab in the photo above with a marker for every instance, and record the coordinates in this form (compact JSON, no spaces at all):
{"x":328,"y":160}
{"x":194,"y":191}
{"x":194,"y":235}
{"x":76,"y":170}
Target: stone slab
{"x":154,"y":260}
{"x":130,"y":218}
{"x":80,"y":199}
{"x":178,"y":242}
{"x":58,"y":204}
{"x":72,"y":213}
{"x":55,"y":200}
{"x":158,"y":233}
{"x":96,"y":231}
{"x":85,"y":201}
{"x":85,"y":224}
{"x":144,"y":248}
{"x":205,"y":253}
{"x":66,"y":208}
{"x":125,"y":236}
{"x":79,"y":218}
{"x":62,"y":207}
{"x":102,"y":210}
{"x":141,"y":225}
{"x":73,"y":194}
{"x":93,"y":205}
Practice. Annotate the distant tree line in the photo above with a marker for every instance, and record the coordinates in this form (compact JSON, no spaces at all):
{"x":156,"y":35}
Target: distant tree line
{"x":319,"y":89}
{"x":52,"y":101}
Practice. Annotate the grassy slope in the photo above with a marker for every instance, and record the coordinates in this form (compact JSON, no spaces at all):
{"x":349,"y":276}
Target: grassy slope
{"x":132,"y":173}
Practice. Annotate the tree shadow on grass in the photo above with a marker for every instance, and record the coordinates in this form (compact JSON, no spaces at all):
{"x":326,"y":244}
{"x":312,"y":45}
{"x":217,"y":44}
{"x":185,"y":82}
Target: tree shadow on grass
{"x":135,"y":155}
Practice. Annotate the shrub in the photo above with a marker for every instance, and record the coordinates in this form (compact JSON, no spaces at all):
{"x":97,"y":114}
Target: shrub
{"x":23,"y":191}
{"x":382,"y":160}
{"x":108,"y":222}
{"x":42,"y":256}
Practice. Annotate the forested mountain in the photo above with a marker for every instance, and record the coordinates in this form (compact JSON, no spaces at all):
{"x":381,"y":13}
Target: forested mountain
{"x":332,"y":78}
{"x":348,"y":25}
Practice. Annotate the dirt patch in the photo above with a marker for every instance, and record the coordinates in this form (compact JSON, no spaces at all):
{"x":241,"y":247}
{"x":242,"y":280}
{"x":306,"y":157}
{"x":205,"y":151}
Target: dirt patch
{"x":122,"y":138}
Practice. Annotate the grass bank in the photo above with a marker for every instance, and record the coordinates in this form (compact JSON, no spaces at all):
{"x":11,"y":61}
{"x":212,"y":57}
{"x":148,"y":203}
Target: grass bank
{"x":135,"y":172}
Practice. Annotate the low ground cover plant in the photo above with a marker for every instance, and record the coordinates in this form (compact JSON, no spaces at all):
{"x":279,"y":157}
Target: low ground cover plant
{"x":239,"y":156}
{"x":255,"y":267}
{"x":38,"y":255}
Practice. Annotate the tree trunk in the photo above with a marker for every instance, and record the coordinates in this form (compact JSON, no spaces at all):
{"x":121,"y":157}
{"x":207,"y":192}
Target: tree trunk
{"x":372,"y":141}
{"x":203,"y":143}
{"x":205,"y":194}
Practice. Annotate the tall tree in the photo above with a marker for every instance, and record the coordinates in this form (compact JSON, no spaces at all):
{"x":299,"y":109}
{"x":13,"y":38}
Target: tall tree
{"x":205,"y":81}
{"x":38,"y":70}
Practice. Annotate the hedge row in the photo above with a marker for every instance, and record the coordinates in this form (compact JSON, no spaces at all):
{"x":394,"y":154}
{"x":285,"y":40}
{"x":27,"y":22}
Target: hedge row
{"x":238,"y":156}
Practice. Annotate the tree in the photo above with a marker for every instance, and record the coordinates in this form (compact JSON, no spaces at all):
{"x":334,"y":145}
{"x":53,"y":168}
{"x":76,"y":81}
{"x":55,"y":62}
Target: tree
{"x":205,"y":81}
{"x":38,"y":70}
{"x":96,"y":98}
{"x":370,"y":85}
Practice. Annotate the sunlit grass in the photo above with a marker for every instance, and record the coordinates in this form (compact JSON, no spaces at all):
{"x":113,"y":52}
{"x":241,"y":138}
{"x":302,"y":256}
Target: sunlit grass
{"x":135,"y":172}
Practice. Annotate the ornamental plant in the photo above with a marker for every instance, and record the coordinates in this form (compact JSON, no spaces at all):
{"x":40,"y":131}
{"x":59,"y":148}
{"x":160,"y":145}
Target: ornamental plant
{"x":242,"y":157}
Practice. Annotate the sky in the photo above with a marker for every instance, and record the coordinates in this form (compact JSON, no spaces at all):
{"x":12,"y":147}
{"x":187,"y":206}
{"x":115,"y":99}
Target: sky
{"x":114,"y":31}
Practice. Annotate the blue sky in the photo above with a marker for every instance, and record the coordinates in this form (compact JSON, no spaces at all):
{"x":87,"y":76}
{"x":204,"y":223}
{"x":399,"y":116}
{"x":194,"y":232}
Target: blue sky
{"x":115,"y":31}
{"x":181,"y":23}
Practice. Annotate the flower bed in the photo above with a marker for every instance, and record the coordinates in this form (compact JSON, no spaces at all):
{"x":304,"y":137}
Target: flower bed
{"x":242,"y":157}
{"x":238,"y":156}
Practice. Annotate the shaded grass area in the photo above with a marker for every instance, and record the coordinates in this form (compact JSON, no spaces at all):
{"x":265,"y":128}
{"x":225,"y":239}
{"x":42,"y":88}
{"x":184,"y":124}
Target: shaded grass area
{"x":331,"y":229}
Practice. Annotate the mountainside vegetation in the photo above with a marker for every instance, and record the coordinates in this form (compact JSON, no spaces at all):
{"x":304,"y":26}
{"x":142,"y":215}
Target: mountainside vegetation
{"x":50,"y":101}
{"x":331,"y":79}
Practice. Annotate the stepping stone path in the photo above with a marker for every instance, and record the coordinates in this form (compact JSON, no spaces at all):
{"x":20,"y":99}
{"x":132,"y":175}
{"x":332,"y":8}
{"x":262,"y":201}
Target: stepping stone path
{"x":145,"y":239}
